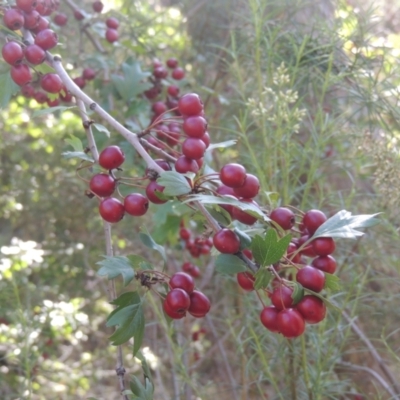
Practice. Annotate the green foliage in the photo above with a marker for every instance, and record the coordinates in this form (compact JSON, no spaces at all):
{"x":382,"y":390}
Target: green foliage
{"x":112,"y":267}
{"x":229,"y":264}
{"x":175,"y":184}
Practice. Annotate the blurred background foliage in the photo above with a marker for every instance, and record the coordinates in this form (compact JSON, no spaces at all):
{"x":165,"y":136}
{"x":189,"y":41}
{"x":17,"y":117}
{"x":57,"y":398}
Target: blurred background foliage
{"x":310,"y":90}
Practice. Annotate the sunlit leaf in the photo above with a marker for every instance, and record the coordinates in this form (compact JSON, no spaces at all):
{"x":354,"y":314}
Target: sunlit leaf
{"x":77,"y":154}
{"x":222,"y":145}
{"x":75,"y":143}
{"x":298,"y":292}
{"x":112,"y":267}
{"x":102,"y":129}
{"x":50,"y":110}
{"x":332,"y":282}
{"x":7,"y":89}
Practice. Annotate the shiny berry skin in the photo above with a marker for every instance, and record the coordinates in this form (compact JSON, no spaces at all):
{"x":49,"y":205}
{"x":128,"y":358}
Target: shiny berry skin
{"x":250,"y":187}
{"x":243,"y":216}
{"x":199,"y":304}
{"x":26,"y":5}
{"x":111,"y":157}
{"x":178,"y":73}
{"x":111,"y":35}
{"x":151,"y":190}
{"x":172,"y":63}
{"x":102,"y":185}
{"x":112,"y":23}
{"x":178,"y":300}
{"x":195,"y":126}
{"x":46,"y":39}
{"x":173,"y":90}
{"x":41,"y":26}
{"x":21,"y":74}
{"x":60,"y":19}
{"x":281,"y":297}
{"x":88,"y":74}
{"x":284,"y":217}
{"x":182,"y":280}
{"x":34,"y":54}
{"x":193,"y":148}
{"x":12,"y":53}
{"x":97,"y":6}
{"x":13,"y":19}
{"x":290,"y":323}
{"x":312,"y":309}
{"x":159,"y":107}
{"x":32,"y":20}
{"x":325,"y":264}
{"x":171,"y":313}
{"x":78,"y":15}
{"x":323,"y":246}
{"x":184,"y":164}
{"x":51,"y":83}
{"x":226,"y":241}
{"x":233,"y":175}
{"x":111,"y":210}
{"x":136,"y":204}
{"x":246,"y":281}
{"x":269,"y":318}
{"x":184,"y":234}
{"x":313,"y":219}
{"x":190,"y":104}
{"x":311,"y":278}
{"x":188,"y":267}
{"x":206,"y":139}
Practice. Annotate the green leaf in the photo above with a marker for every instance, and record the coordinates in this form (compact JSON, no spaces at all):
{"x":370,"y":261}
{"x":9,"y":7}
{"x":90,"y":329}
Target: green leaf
{"x":75,"y":143}
{"x":269,"y":250}
{"x":245,"y":239}
{"x":77,"y":154}
{"x":149,"y":242}
{"x":137,"y":388}
{"x":102,"y":129}
{"x":332,"y":282}
{"x":229,"y":264}
{"x":145,"y":365}
{"x":263,"y":278}
{"x":219,"y":214}
{"x":222,"y":145}
{"x":50,"y":110}
{"x":8,"y":88}
{"x":344,"y":225}
{"x":167,"y":231}
{"x":298,"y":292}
{"x":175,"y":184}
{"x":115,"y":266}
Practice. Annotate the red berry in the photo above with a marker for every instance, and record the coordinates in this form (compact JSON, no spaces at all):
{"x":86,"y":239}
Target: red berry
{"x":199,"y":304}
{"x":195,"y":126}
{"x":80,"y":82}
{"x":206,"y":139}
{"x":34,"y":54}
{"x":97,"y":6}
{"x":323,"y":246}
{"x":111,"y":35}
{"x":195,"y":271}
{"x":325,"y":264}
{"x":60,"y":19}
{"x":178,"y":300}
{"x":12,"y":53}
{"x":162,"y":163}
{"x":248,"y":253}
{"x":184,"y":234}
{"x":111,"y":210}
{"x":284,"y":217}
{"x":21,"y":74}
{"x":226,"y":241}
{"x":53,"y":103}
{"x":79,"y":16}
{"x":173,"y":90}
{"x":13,"y":19}
{"x":171,"y":313}
{"x":88,"y":74}
{"x":159,"y":107}
{"x":226,"y":191}
{"x":41,"y":26}
{"x":51,"y":83}
{"x":250,"y":187}
{"x":32,"y":20}
{"x":28,"y":90}
{"x":172,"y":63}
{"x":246,"y":280}
{"x":313,"y":219}
{"x":292,"y":248}
{"x":281,"y":297}
{"x":184,"y":164}
{"x":178,"y":73}
{"x":290,"y":323}
{"x":243,"y":216}
{"x":111,"y":157}
{"x":102,"y":185}
{"x":46,"y":39}
{"x":187,"y":267}
{"x":193,"y":148}
{"x":312,"y":309}
{"x":190,"y":104}
{"x":311,"y":278}
{"x":269,"y":318}
{"x":160,"y":72}
{"x":151,"y":189}
{"x":136,"y":204}
{"x":307,"y":250}
{"x":233,"y":175}
{"x":26,"y":5}
{"x":182,"y":280}
{"x":112,"y":23}
{"x":40,"y":97}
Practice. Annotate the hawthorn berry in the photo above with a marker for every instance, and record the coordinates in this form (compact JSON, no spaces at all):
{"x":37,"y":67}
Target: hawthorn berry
{"x":233,"y":175}
{"x":195,"y":126}
{"x":311,"y":278}
{"x":136,"y":204}
{"x":21,"y":74}
{"x":80,"y":82}
{"x":41,"y":26}
{"x":160,"y":72}
{"x":206,"y":139}
{"x":79,"y":16}
{"x":185,"y":164}
{"x":12,"y":53}
{"x":88,"y":74}
{"x":226,"y":241}
{"x":249,"y":189}
{"x":28,"y":90}
{"x":178,"y":73}
{"x":112,"y":23}
{"x":40,"y":97}
{"x":182,"y":280}
{"x":111,"y":210}
{"x":171,"y":313}
{"x":323,"y":246}
{"x":292,"y":248}
{"x":248,"y":253}
{"x":60,"y":19}
{"x":51,"y":83}
{"x":102,"y":185}
{"x":32,"y":20}
{"x":246,"y":280}
{"x":313,"y":219}
{"x":159,"y":107}
{"x":290,"y":323}
{"x":199,"y":304}
{"x":172,"y":63}
{"x":281,"y":297}
{"x":243,"y":216}
{"x":111,"y":157}
{"x":97,"y":6}
{"x":151,"y":189}
{"x":184,"y":234}
{"x":307,"y":250}
{"x":46,"y":39}
{"x":178,"y":300}
{"x":325,"y":264}
{"x":173,"y":90}
{"x":193,"y":148}
{"x":284,"y":217}
{"x":26,"y":5}
{"x":111,"y":35}
{"x":13,"y":19}
{"x":190,"y":104}
{"x":34,"y":54}
{"x":269,"y":318}
{"x":312,"y":309}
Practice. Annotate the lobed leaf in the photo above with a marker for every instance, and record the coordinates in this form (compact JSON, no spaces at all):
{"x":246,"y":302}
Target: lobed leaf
{"x":332,"y":282}
{"x":77,"y":154}
{"x":149,"y":242}
{"x":112,"y":267}
{"x":263,"y":278}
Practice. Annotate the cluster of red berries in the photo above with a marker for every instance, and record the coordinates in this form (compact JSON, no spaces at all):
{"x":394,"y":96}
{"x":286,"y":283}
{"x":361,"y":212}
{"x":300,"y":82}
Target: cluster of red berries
{"x":196,"y":246}
{"x":191,"y":269}
{"x":184,"y":298}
